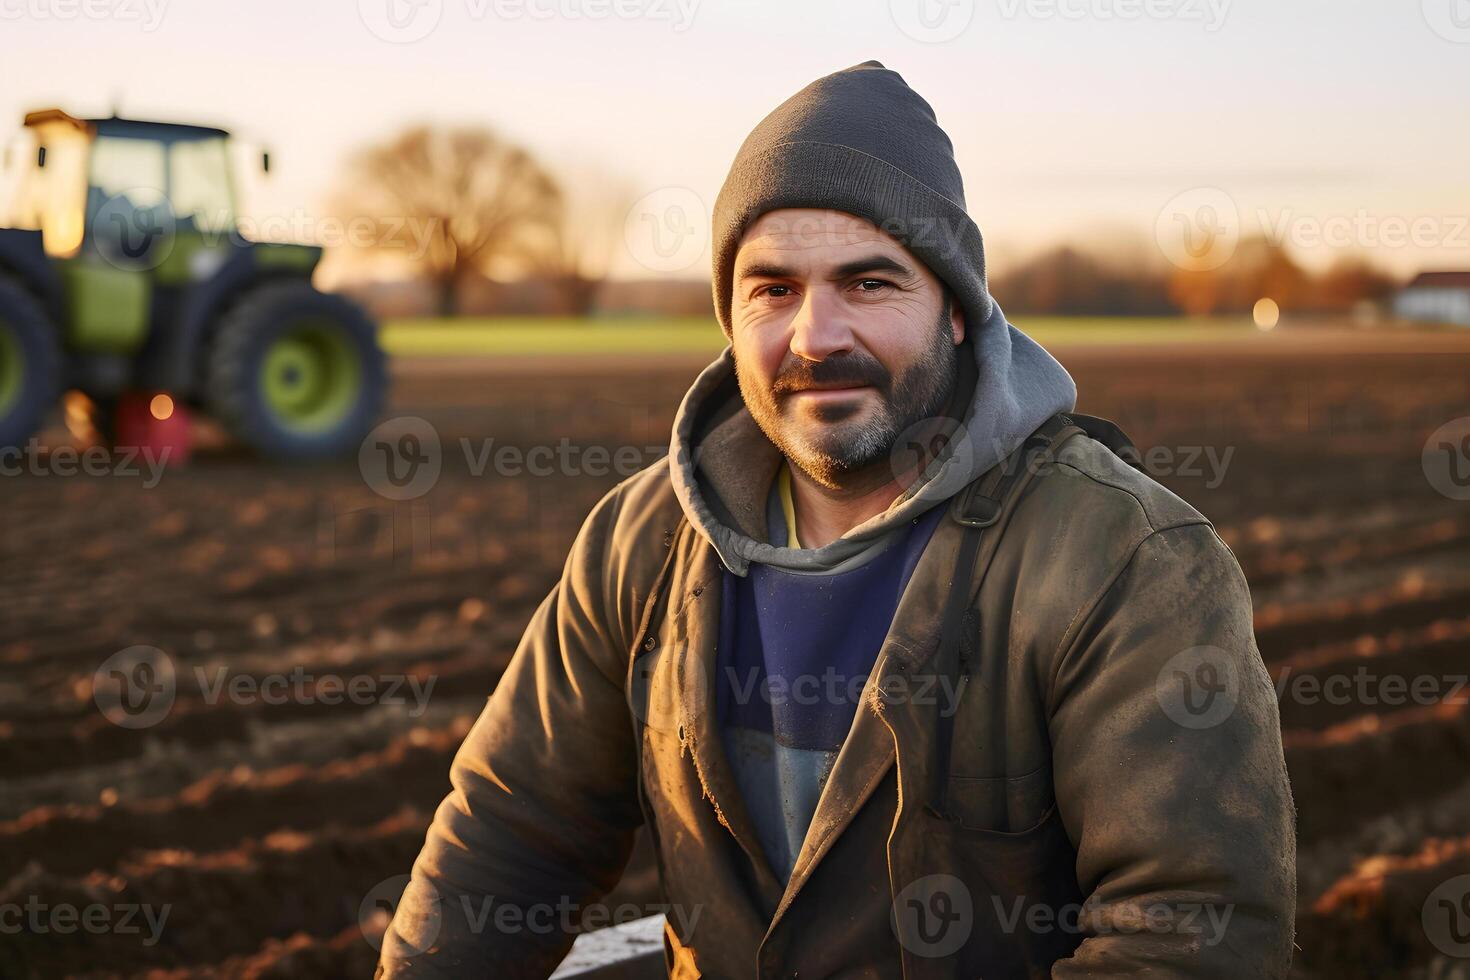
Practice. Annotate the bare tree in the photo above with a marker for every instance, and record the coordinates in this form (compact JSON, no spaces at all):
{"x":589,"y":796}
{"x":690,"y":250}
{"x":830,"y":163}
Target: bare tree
{"x":456,"y":202}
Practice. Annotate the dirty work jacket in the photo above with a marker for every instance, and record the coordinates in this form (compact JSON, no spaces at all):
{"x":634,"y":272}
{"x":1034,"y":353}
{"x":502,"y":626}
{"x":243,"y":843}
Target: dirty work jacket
{"x":1105,"y":797}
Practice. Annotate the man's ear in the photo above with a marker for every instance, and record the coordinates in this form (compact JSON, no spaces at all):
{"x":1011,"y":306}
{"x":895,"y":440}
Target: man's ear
{"x":956,"y":319}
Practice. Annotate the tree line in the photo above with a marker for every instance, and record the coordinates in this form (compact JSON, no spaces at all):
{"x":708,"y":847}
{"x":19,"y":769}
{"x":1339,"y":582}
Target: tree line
{"x":478,"y":206}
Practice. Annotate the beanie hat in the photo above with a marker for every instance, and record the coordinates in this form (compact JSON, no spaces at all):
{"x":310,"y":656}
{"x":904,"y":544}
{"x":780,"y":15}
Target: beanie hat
{"x":860,"y":141}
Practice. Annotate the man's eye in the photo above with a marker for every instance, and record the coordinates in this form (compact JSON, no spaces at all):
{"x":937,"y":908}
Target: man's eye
{"x":871,"y":285}
{"x":776,"y":292}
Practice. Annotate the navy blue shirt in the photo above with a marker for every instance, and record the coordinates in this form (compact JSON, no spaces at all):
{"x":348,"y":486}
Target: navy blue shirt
{"x":794,"y":652}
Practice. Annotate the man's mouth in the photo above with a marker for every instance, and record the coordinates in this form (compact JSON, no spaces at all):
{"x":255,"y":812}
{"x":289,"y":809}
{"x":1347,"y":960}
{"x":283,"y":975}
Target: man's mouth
{"x":831,"y":392}
{"x":831,"y":387}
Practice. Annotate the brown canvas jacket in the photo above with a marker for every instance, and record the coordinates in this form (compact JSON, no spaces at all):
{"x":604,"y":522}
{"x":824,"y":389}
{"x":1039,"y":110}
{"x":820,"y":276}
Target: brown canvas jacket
{"x":1114,"y":803}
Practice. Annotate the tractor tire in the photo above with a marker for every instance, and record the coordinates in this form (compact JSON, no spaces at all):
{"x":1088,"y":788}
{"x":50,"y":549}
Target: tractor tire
{"x":296,"y":373}
{"x":30,"y":364}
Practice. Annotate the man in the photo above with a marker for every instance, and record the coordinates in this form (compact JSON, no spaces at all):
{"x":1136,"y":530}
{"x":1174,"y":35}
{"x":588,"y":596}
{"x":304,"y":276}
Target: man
{"x":906,"y":673}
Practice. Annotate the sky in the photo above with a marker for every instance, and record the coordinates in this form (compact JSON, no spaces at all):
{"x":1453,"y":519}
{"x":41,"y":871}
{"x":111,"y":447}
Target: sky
{"x":1335,"y":126}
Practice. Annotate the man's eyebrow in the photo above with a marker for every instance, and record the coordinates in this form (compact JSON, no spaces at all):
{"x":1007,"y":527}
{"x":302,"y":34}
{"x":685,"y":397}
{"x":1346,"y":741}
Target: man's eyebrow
{"x":868,"y":263}
{"x":871,"y":263}
{"x":764,"y":270}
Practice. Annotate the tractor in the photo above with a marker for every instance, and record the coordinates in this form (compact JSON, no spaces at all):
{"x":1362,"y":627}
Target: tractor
{"x":124,"y":276}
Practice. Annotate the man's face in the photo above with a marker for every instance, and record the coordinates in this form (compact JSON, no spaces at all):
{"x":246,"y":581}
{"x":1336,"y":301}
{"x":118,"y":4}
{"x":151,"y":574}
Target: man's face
{"x":842,"y":339}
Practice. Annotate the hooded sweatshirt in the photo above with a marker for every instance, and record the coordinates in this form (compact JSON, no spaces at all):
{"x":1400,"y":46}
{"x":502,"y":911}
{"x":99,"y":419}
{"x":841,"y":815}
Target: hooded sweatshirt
{"x":863,"y":142}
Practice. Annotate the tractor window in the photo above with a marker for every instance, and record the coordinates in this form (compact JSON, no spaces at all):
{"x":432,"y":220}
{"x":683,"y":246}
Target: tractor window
{"x":200,"y":174}
{"x":126,"y":185}
{"x":128,"y":168}
{"x":128,"y":213}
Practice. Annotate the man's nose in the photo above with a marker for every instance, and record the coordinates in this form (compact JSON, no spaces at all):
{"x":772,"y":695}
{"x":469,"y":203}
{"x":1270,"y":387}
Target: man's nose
{"x":820,"y":329}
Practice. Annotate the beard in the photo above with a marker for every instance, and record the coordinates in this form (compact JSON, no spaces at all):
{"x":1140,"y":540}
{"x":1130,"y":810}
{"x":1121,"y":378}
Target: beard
{"x":832,"y":444}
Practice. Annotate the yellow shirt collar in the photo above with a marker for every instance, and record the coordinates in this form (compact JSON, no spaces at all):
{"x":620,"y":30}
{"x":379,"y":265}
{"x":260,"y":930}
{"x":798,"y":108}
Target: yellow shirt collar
{"x":788,"y":505}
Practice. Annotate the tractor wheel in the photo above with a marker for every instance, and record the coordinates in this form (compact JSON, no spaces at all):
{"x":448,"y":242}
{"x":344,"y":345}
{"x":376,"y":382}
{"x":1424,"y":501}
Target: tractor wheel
{"x":30,"y":364}
{"x":296,"y":373}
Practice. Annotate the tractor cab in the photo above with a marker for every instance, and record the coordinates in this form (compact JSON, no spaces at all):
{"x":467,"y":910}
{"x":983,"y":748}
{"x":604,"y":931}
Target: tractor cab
{"x":126,"y":190}
{"x":122,"y":238}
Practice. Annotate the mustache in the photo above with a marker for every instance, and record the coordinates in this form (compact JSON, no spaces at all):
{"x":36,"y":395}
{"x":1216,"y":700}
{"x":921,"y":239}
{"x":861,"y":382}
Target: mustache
{"x":848,"y":370}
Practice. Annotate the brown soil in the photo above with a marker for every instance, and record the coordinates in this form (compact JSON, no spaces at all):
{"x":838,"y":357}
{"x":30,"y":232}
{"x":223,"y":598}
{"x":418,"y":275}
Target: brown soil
{"x":263,"y":825}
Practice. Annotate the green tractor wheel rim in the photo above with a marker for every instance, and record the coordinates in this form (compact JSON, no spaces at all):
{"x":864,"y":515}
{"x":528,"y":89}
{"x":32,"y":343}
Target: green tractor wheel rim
{"x":12,"y":369}
{"x":311,"y":377}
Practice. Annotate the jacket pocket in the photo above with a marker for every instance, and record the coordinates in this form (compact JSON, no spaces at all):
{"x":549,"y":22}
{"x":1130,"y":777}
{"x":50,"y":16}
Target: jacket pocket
{"x":1001,"y":804}
{"x":1017,"y":891}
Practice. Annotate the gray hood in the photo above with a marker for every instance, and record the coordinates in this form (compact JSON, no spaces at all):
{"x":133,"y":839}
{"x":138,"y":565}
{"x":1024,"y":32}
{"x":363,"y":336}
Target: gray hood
{"x":722,"y":464}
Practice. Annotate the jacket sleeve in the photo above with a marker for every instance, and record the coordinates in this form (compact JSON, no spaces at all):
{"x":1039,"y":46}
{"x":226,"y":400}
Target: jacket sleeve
{"x":1169,"y":772}
{"x":543,"y":808}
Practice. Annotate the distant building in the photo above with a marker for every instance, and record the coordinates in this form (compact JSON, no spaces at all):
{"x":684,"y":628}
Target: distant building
{"x":1437,"y":297}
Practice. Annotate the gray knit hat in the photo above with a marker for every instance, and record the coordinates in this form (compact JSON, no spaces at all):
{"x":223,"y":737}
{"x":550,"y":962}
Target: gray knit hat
{"x":860,"y":141}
